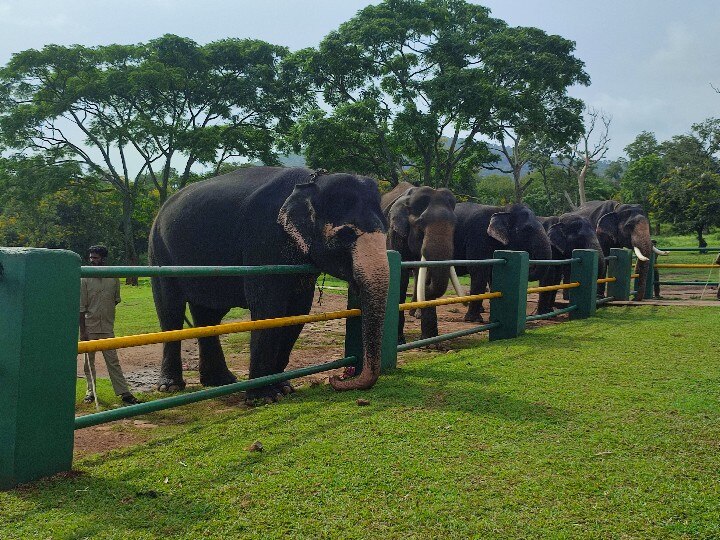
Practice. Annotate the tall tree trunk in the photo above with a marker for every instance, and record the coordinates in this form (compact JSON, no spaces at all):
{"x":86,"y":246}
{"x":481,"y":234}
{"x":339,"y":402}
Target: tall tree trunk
{"x":701,"y":241}
{"x":518,"y":187}
{"x":581,"y":181}
{"x":131,"y":256}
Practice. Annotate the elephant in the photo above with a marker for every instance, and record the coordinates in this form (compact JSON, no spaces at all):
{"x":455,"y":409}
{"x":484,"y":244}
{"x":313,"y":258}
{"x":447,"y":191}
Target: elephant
{"x":622,"y":225}
{"x":568,"y":232}
{"x":482,"y":229}
{"x":269,"y":216}
{"x":421,"y":224}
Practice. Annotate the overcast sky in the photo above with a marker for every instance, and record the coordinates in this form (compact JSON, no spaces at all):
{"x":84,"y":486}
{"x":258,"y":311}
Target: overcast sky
{"x":651,"y":61}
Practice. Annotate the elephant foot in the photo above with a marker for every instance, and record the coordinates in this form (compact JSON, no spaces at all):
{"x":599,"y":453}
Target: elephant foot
{"x":268,"y":394}
{"x":170,"y":385}
{"x":473,"y":317}
{"x":220,"y":378}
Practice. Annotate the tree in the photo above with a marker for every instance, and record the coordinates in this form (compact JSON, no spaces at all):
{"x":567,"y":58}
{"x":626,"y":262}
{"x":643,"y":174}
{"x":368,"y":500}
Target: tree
{"x":533,"y":110}
{"x":589,"y":149}
{"x":615,"y":170}
{"x":643,"y":145}
{"x":689,"y":198}
{"x":435,"y":73}
{"x":47,"y":205}
{"x":494,"y":189}
{"x":123,"y":112}
{"x":641,"y":176}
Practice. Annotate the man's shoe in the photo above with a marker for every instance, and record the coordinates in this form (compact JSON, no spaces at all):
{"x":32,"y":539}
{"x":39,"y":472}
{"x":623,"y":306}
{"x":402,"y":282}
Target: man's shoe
{"x":89,"y":398}
{"x":129,"y":399}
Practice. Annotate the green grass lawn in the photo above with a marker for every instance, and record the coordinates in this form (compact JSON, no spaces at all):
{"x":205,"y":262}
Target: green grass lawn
{"x":603,"y":428}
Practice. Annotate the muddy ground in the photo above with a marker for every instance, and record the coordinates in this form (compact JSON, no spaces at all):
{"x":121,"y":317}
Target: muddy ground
{"x":319,"y":342}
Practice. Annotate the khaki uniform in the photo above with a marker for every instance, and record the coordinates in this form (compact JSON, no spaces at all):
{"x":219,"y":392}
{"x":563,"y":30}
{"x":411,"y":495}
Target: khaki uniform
{"x":98,"y":298}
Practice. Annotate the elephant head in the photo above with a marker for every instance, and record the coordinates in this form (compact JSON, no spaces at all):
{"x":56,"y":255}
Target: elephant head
{"x":570,"y":232}
{"x":628,"y":226}
{"x":421,"y":227}
{"x":518,"y":229}
{"x":335,"y":221}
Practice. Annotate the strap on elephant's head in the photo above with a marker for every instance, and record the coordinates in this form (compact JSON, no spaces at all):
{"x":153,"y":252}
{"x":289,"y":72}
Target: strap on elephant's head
{"x":316,"y":173}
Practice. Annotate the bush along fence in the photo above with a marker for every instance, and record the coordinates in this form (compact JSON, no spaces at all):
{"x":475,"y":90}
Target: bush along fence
{"x":39,"y":295}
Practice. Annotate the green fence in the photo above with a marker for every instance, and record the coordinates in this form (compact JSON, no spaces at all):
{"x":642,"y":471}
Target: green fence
{"x":39,"y":292}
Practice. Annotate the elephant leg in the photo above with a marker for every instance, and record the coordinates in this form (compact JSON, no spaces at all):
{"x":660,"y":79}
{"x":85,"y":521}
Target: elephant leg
{"x":565,"y":279}
{"x":404,"y":280}
{"x":479,"y":279}
{"x":170,"y":307}
{"x":547,"y":298}
{"x":428,"y":322}
{"x":602,"y":271}
{"x":270,"y":349}
{"x":213,"y":369}
{"x":413,"y":312}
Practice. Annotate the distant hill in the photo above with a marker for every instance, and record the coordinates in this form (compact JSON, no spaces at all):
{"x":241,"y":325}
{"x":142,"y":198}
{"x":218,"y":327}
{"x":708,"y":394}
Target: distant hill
{"x":297,"y":160}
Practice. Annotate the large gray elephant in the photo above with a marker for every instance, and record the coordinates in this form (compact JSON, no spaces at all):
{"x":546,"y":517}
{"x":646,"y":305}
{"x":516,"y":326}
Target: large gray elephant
{"x":268,"y":216}
{"x":421,"y":224}
{"x":482,"y":229}
{"x":568,"y":232}
{"x":622,"y":225}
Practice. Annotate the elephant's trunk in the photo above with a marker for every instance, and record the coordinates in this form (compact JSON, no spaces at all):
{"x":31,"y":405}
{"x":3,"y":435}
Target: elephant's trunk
{"x":437,"y":246}
{"x":640,"y":239}
{"x":372,"y":275}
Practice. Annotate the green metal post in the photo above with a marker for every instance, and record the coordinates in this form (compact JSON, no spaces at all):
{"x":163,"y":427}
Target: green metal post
{"x":392,"y":314}
{"x":40,"y":298}
{"x":619,"y":268}
{"x":511,"y":279}
{"x":650,"y":282}
{"x":586,"y":273}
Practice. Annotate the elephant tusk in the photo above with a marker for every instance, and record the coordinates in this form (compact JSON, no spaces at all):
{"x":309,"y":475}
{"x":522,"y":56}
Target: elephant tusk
{"x":660,"y":251}
{"x":639,"y":254}
{"x":422,"y":277}
{"x":456,"y":283}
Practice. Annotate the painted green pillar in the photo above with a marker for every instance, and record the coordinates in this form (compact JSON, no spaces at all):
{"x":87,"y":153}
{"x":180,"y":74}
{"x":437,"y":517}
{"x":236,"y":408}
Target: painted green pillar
{"x":650,"y":283}
{"x":40,"y":298}
{"x":511,"y":279}
{"x":392,"y":315}
{"x":619,"y":268}
{"x":586,"y":273}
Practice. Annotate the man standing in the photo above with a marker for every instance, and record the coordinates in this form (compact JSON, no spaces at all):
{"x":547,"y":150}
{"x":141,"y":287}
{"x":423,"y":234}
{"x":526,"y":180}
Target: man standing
{"x":98,"y":298}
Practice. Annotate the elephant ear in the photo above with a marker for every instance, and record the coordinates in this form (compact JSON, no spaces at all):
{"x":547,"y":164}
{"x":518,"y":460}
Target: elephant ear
{"x":558,"y":238}
{"x":499,"y":227}
{"x":399,"y":215}
{"x":297,"y":215}
{"x":608,"y":225}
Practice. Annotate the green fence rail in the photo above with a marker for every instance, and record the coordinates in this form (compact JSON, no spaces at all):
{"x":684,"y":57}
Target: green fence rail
{"x":653,"y":278}
{"x":39,"y":292}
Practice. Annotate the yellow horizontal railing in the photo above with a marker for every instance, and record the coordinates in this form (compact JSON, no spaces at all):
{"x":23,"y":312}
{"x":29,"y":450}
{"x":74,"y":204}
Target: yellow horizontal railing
{"x":608,"y":280}
{"x":687,"y":266}
{"x":446,"y":301}
{"x":554,"y":287}
{"x":633,"y":276}
{"x":207,"y":331}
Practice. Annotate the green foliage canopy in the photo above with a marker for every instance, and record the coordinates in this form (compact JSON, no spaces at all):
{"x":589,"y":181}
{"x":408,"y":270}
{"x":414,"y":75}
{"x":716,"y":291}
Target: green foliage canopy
{"x":415,"y":83}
